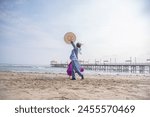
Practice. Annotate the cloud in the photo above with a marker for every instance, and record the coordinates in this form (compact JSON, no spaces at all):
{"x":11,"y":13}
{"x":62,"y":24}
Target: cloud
{"x":110,"y":28}
{"x":106,"y":28}
{"x":24,"y":29}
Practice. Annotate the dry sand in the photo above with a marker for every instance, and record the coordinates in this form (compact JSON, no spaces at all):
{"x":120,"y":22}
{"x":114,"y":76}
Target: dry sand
{"x":47,"y":86}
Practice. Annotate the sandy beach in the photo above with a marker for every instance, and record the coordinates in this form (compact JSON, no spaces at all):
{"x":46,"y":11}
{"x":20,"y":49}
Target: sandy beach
{"x":46,"y":86}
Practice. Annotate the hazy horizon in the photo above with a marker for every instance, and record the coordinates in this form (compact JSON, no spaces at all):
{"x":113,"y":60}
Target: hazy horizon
{"x":31,"y":32}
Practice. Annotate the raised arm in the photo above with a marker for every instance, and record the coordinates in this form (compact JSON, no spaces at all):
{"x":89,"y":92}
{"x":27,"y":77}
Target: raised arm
{"x":73,"y":45}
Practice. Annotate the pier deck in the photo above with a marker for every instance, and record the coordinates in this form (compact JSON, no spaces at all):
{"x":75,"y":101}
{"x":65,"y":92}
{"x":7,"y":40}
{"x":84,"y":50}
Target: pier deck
{"x":114,"y":67}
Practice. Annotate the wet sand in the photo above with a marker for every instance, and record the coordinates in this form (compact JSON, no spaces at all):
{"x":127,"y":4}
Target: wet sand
{"x":46,"y":86}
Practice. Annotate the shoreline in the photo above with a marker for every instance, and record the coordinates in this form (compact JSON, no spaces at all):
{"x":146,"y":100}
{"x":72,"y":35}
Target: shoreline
{"x":53,"y":86}
{"x":88,"y":74}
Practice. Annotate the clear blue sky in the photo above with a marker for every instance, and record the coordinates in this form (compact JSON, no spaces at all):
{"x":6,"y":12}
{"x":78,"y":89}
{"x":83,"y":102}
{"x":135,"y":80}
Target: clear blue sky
{"x":31,"y":31}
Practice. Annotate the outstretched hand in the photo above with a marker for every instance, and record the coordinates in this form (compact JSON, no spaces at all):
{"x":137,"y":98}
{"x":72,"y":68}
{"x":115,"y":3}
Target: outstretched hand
{"x":73,"y":44}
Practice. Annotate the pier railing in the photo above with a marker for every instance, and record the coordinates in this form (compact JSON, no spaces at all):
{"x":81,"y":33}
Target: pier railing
{"x":113,"y":67}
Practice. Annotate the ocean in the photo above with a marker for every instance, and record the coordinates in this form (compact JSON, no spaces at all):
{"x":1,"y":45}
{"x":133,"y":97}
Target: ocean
{"x":31,"y":68}
{"x":49,"y":69}
{"x":36,"y":68}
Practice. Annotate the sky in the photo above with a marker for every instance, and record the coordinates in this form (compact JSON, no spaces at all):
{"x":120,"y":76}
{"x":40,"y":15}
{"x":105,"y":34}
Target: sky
{"x":32,"y":31}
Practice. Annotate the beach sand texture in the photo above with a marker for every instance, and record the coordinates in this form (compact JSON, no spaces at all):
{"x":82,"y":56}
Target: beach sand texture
{"x":46,"y":86}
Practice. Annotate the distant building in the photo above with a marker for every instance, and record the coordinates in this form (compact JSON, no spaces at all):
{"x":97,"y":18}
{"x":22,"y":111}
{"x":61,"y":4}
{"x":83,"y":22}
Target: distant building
{"x":53,"y":62}
{"x":81,"y":61}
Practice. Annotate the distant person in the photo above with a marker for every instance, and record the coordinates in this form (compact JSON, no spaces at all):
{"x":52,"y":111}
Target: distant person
{"x":74,"y":59}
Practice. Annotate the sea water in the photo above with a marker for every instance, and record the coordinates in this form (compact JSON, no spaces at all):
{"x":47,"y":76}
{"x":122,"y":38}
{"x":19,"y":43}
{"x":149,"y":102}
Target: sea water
{"x":30,"y":68}
{"x":49,"y":69}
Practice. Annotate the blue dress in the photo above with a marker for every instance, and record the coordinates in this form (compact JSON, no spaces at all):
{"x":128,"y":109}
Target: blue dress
{"x":75,"y":63}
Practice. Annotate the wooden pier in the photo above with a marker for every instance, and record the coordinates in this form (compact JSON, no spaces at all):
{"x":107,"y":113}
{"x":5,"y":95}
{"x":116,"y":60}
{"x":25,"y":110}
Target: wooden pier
{"x":141,"y":68}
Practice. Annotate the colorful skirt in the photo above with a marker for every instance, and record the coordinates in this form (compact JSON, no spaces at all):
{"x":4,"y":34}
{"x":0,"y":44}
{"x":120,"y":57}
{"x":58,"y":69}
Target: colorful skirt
{"x":69,"y":69}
